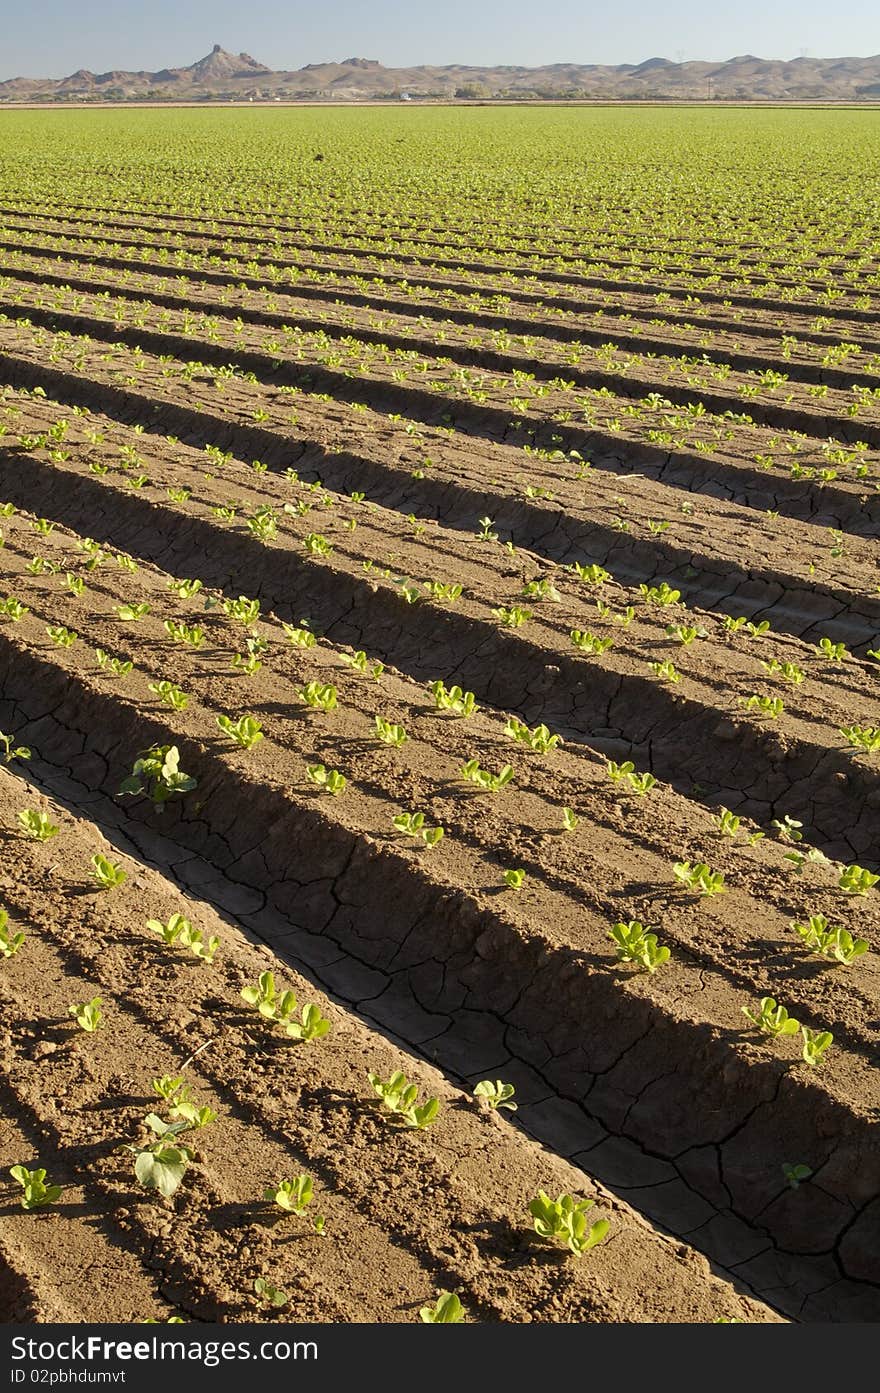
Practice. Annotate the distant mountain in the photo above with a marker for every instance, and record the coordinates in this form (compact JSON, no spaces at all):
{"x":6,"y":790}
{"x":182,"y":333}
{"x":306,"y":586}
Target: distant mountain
{"x":238,"y":76}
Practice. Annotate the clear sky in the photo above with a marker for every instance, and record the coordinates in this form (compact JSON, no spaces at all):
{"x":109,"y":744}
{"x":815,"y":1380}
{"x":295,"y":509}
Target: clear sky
{"x":50,"y":38}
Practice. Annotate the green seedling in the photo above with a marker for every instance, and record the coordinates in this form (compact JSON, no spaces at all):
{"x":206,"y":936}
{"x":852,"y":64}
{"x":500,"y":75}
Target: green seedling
{"x":269,"y":1003}
{"x":700,"y":878}
{"x":170,"y":695}
{"x":636,"y":945}
{"x":269,"y":1296}
{"x":496,"y":1094}
{"x":162,"y":1164}
{"x":625,"y":618}
{"x":400,"y":1098}
{"x":756,"y":630}
{"x":10,"y":751}
{"x":13,"y":609}
{"x":134,"y":612}
{"x":330,"y":780}
{"x":685,"y":633}
{"x":413,"y":825}
{"x":310,"y":1026}
{"x":447,"y":1310}
{"x":789,"y":828}
{"x":112,"y":667}
{"x":390,"y":733}
{"x":616,"y":772}
{"x":194,"y":1116}
{"x":107,"y":874}
{"x":512,"y":617}
{"x":317,"y":545}
{"x":245,"y":611}
{"x":299,"y":637}
{"x":37,"y":1194}
{"x":9,"y":942}
{"x":772,"y":1018}
{"x":88,"y":1014}
{"x":179,"y":930}
{"x":766,"y":706}
{"x":64,"y":638}
{"x":245,"y":732}
{"x":203,"y":948}
{"x":157,"y":773}
{"x":75,"y":584}
{"x":191,"y":634}
{"x":453,"y":699}
{"x":541,"y":590}
{"x":360,"y":663}
{"x":538,"y":738}
{"x":489,"y":783}
{"x":592,"y":574}
{"x":833,"y":652}
{"x":728,"y":824}
{"x":486,"y":534}
{"x":661,"y":594}
{"x":589,"y":643}
{"x":443,"y":593}
{"x":184,"y":589}
{"x":795,"y":1175}
{"x":293,"y":1196}
{"x":570,"y":819}
{"x":816,"y":1045}
{"x":513,"y":879}
{"x":667,"y":672}
{"x":830,"y":942}
{"x":640,"y":783}
{"x":565,"y":1219}
{"x":319,"y":696}
{"x":169,"y":1088}
{"x":865,"y":738}
{"x":855,"y":880}
{"x":38,"y":826}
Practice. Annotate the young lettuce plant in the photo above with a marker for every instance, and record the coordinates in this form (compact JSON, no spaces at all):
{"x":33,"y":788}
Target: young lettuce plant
{"x":413,"y":825}
{"x":865,"y":738}
{"x":699,"y":878}
{"x":330,"y":780}
{"x":400,"y":1098}
{"x":170,"y":695}
{"x":38,"y":826}
{"x":179,"y":930}
{"x":162,"y":1164}
{"x":88,"y":1015}
{"x":772,"y":1018}
{"x":565,"y":1219}
{"x":636,"y":945}
{"x":107,"y":874}
{"x":9,"y":942}
{"x":320,"y":696}
{"x":496,"y":1094}
{"x":10,"y":751}
{"x":538,"y":739}
{"x":292,"y":1196}
{"x":36,"y":1193}
{"x":245,"y":732}
{"x":270,"y":1297}
{"x":816,"y":1044}
{"x":447,"y":1310}
{"x":453,"y":699}
{"x":389,"y":732}
{"x":157,"y":773}
{"x":830,"y":942}
{"x":855,"y":880}
{"x":489,"y":783}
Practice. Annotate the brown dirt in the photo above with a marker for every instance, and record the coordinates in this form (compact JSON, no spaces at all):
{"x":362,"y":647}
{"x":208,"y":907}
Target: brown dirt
{"x":655,"y":1086}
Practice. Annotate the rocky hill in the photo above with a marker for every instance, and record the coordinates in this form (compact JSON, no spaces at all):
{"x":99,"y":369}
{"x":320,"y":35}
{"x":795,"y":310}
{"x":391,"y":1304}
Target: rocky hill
{"x":230,"y":76}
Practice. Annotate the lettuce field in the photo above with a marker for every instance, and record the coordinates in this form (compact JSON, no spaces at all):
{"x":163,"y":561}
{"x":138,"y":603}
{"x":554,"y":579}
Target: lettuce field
{"x":440,"y":753}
